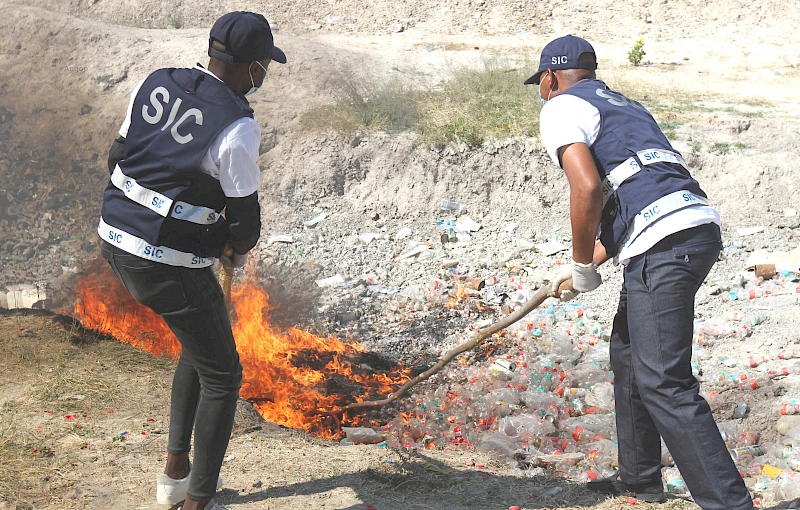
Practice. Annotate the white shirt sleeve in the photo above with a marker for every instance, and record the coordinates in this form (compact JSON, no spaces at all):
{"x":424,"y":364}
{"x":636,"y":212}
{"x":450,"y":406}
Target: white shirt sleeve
{"x":126,"y":125}
{"x":235,"y":155}
{"x":567,"y":119}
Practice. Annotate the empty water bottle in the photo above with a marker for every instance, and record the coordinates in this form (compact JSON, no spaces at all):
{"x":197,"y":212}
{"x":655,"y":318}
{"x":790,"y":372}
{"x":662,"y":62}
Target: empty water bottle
{"x":741,"y":411}
{"x":449,"y":205}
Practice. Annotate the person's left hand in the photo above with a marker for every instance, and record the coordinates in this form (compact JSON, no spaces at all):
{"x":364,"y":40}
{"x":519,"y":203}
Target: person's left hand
{"x":585,"y":277}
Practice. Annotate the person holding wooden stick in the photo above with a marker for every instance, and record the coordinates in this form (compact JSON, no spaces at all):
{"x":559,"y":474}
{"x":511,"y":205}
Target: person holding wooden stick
{"x":628,"y":182}
{"x":188,"y":150}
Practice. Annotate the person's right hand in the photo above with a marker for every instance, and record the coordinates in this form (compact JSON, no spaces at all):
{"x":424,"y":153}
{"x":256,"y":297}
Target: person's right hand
{"x":235,"y":260}
{"x":563,"y":275}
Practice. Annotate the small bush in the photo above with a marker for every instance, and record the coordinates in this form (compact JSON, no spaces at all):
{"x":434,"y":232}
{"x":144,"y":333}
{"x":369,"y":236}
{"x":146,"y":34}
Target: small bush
{"x":474,"y":105}
{"x":726,"y":147}
{"x":176,"y":22}
{"x":637,"y":52}
{"x":469,"y":107}
{"x":361,"y":105}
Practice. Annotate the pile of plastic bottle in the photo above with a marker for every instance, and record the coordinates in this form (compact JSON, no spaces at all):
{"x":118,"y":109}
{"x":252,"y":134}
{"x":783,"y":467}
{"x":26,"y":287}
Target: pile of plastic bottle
{"x":745,"y":287}
{"x":545,"y":403}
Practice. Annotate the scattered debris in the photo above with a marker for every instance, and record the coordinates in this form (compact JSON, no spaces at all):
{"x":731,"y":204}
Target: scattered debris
{"x":551,"y":247}
{"x":25,"y":296}
{"x":281,"y":238}
{"x":330,"y":282}
{"x":313,"y":222}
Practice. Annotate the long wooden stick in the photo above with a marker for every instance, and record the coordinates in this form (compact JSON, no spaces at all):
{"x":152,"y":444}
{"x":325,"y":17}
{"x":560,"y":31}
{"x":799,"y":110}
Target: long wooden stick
{"x":477,"y":338}
{"x":225,"y":277}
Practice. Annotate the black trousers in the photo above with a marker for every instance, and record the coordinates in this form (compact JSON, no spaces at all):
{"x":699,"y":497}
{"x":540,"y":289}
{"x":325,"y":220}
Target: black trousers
{"x":655,"y":392}
{"x":207,"y":379}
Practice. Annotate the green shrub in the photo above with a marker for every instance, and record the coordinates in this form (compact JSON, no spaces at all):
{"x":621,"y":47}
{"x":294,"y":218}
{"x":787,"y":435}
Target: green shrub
{"x":469,"y":107}
{"x":360,"y":105}
{"x":637,"y":52}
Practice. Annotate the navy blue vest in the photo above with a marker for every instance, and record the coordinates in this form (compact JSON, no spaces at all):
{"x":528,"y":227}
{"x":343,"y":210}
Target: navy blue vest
{"x":635,"y":160}
{"x":159,"y":205}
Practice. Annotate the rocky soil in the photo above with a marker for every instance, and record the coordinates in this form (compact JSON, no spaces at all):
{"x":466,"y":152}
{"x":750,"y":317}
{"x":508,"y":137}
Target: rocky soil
{"x":68,"y":69}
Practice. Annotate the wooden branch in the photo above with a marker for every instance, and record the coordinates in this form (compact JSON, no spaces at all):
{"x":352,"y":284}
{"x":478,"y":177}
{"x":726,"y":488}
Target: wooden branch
{"x":477,"y":338}
{"x":225,"y":278}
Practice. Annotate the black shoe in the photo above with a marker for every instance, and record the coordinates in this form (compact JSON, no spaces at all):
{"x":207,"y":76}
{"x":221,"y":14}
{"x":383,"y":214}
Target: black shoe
{"x":650,"y":493}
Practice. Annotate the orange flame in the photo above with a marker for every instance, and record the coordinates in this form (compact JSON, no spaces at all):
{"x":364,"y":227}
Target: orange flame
{"x":291,"y":376}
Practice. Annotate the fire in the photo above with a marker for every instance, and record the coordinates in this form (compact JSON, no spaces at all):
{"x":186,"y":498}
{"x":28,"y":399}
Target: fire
{"x":292,"y":377}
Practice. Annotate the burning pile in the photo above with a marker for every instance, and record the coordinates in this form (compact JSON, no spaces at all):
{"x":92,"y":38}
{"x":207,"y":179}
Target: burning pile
{"x":291,"y":376}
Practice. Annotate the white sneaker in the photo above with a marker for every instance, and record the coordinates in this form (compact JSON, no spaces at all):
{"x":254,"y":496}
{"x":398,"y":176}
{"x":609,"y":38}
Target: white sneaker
{"x":211,"y":506}
{"x":170,"y":491}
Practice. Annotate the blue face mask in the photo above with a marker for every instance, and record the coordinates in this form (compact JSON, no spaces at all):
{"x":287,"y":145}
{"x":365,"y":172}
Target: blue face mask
{"x":541,"y":98}
{"x":254,"y":89}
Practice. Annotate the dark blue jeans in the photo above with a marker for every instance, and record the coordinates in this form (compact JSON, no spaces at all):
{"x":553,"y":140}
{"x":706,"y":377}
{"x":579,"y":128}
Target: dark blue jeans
{"x":208,"y":376}
{"x":655,"y":391}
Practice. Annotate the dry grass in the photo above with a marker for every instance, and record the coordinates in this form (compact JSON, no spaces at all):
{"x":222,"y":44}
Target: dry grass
{"x":49,"y":368}
{"x":24,"y":463}
{"x":472,"y":105}
{"x":51,"y":462}
{"x":491,"y":102}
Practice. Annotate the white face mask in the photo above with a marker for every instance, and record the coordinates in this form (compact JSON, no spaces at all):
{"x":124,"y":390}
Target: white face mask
{"x":254,"y":89}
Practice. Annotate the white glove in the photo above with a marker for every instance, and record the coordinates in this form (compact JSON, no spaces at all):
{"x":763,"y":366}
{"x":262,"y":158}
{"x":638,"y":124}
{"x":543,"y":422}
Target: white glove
{"x":236,"y":261}
{"x":585,"y":277}
{"x":561,"y":275}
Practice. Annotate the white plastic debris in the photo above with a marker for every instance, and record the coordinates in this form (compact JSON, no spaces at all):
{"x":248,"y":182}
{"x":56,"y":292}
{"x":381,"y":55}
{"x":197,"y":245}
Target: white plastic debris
{"x":281,"y":238}
{"x":315,"y":220}
{"x":369,"y":237}
{"x":25,"y":296}
{"x":330,"y":282}
{"x":550,"y":247}
{"x":748,"y":231}
{"x":362,"y":435}
{"x":783,"y":261}
{"x":403,"y":233}
{"x":467,"y":224}
{"x":414,"y":252}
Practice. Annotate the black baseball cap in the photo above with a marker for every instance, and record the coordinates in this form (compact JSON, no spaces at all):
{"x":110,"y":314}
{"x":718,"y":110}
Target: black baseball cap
{"x":564,"y":53}
{"x":246,"y":37}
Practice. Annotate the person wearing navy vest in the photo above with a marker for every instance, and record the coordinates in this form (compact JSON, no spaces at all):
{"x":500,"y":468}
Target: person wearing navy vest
{"x":632,"y":198}
{"x":184,"y":192}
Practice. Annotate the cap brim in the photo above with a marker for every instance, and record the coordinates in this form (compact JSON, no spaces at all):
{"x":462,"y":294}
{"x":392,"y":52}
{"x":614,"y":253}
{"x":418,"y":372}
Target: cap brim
{"x":278,"y":55}
{"x":534,"y":80}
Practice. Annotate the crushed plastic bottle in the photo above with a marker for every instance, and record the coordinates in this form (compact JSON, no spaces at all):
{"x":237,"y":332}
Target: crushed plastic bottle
{"x":674,"y":482}
{"x":741,"y":411}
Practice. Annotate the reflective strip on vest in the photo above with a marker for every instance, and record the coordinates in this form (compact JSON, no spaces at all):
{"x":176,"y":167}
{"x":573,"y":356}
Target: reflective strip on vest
{"x":650,"y":156}
{"x":141,"y":248}
{"x":630,"y":167}
{"x":161,"y":204}
{"x":617,"y":176}
{"x":657,"y":210}
{"x":194,"y":213}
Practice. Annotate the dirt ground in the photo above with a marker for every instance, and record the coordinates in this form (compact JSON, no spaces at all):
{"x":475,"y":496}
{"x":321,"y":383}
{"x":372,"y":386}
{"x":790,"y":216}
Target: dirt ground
{"x":84,"y":426}
{"x":723,"y":74}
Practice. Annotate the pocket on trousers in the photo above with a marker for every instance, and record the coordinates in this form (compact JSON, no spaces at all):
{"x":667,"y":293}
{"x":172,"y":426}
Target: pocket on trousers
{"x":154,"y":285}
{"x":696,"y":248}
